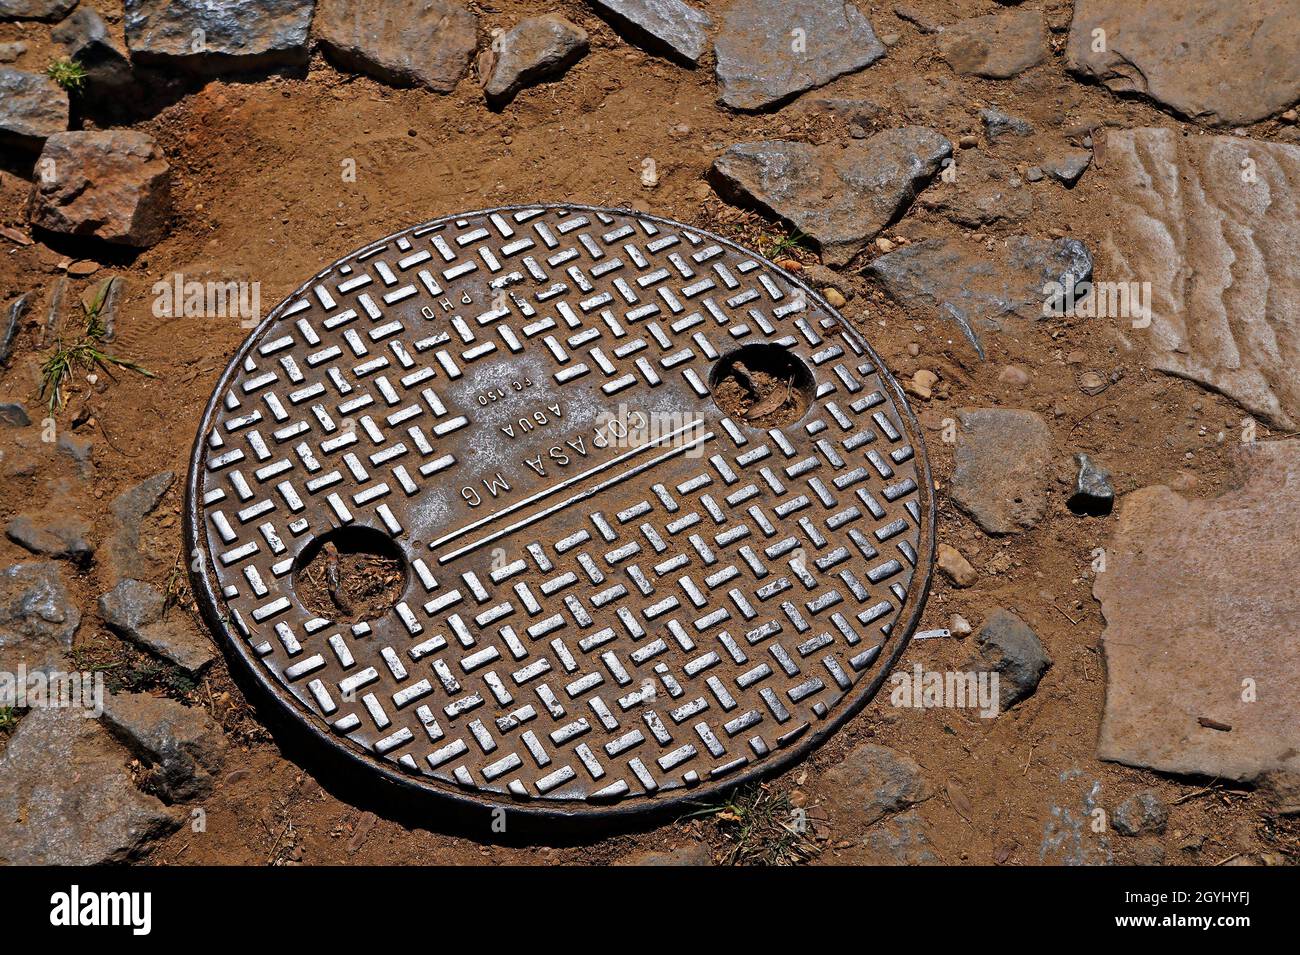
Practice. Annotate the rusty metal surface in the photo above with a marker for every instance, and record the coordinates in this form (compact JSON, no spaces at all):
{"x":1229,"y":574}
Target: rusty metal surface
{"x":615,"y":595}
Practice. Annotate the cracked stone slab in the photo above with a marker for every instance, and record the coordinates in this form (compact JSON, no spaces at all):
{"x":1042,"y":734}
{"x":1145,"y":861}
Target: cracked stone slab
{"x":1001,"y":472}
{"x":1222,"y":63}
{"x":38,"y":617}
{"x":1209,"y":221}
{"x":66,"y":796}
{"x":534,"y":49}
{"x":182,"y":746}
{"x":113,"y":185}
{"x":231,"y":35}
{"x":32,"y":108}
{"x":128,"y":510}
{"x":965,"y":283}
{"x":136,"y":611}
{"x":1172,"y":666}
{"x":839,"y":198}
{"x":62,"y":536}
{"x":769,"y":51}
{"x":669,"y":27}
{"x":427,"y":43}
{"x":997,"y":46}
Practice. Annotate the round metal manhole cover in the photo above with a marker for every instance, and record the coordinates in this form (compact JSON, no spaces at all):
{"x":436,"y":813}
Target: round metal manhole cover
{"x":656,"y":519}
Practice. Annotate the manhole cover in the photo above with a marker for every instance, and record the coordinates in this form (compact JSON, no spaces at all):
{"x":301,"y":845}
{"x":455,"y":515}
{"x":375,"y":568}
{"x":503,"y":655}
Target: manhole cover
{"x":568,"y":509}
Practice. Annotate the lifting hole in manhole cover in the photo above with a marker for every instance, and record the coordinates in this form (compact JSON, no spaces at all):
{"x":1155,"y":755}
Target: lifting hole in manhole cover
{"x":621,"y":513}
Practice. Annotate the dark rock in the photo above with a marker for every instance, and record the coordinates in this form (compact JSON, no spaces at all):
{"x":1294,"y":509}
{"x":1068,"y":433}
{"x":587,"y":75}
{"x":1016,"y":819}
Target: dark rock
{"x":1001,"y":468}
{"x":182,"y":746}
{"x":840,"y":198}
{"x":689,"y":855}
{"x":88,"y":41}
{"x":128,"y":510}
{"x":32,"y":108}
{"x":411,"y":43}
{"x":760,"y":63}
{"x":1034,"y":174}
{"x":1067,"y":165}
{"x":35,"y":9}
{"x":14,"y":314}
{"x":13,"y":414}
{"x":998,"y":125}
{"x":534,"y":49}
{"x":37,"y":616}
{"x":976,"y":288}
{"x":204,"y":37}
{"x":870,"y":782}
{"x":669,"y":27}
{"x":1227,"y":64}
{"x":10,"y":52}
{"x":113,"y":185}
{"x":1140,"y":814}
{"x":61,"y":537}
{"x":79,"y":448}
{"x":985,"y":191}
{"x":135,"y":610}
{"x":997,"y":46}
{"x":1093,"y":493}
{"x":1009,"y":648}
{"x":66,"y":796}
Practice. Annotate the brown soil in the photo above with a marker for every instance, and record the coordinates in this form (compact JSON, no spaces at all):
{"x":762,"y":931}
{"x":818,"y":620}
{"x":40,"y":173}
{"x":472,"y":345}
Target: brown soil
{"x":764,"y":397}
{"x":258,"y":196}
{"x":348,"y":586}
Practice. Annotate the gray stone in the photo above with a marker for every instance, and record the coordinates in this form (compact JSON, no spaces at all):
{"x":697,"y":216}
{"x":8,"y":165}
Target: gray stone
{"x":1212,"y":207}
{"x":999,"y":125}
{"x":38,"y":618}
{"x":1177,"y":669}
{"x":899,"y":840}
{"x":425,"y":43}
{"x":985,"y":191}
{"x":917,"y":17}
{"x":113,"y":185}
{"x":135,"y":610}
{"x":1092,"y":487}
{"x":35,"y":9}
{"x":15,"y":312}
{"x":997,"y":46}
{"x":79,"y":448}
{"x":1226,"y":64}
{"x":760,"y":62}
{"x":66,"y":796}
{"x":669,"y":27}
{"x":88,"y":41}
{"x":1067,"y":165}
{"x":182,"y":747}
{"x":870,"y":782}
{"x":59,"y":537}
{"x":9,"y":52}
{"x":839,"y":198}
{"x":533,"y":50}
{"x":1001,"y":459}
{"x":236,"y":34}
{"x":32,"y":108}
{"x":1008,"y":647}
{"x":128,"y":511}
{"x":691,"y":855}
{"x":1140,"y":814}
{"x":13,"y":414}
{"x":978,"y":289}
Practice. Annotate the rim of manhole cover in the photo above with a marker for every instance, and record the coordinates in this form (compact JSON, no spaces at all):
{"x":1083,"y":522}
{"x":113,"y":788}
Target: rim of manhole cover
{"x":616,"y":596}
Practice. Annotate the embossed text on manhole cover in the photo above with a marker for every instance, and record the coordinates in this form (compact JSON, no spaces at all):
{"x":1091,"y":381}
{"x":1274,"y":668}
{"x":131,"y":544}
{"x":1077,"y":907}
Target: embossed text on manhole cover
{"x":574,"y":510}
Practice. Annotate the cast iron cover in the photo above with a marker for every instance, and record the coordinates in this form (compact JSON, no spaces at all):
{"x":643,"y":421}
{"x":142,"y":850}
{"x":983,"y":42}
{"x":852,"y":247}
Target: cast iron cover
{"x":615,"y":595}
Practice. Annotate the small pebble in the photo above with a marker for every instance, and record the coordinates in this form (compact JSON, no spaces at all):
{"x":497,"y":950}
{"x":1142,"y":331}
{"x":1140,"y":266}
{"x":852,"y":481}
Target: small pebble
{"x":1091,"y":383}
{"x":834,"y":296}
{"x":955,"y":566}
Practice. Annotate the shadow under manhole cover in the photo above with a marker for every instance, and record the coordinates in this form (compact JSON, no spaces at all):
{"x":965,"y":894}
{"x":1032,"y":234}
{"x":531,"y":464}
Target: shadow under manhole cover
{"x":573,"y":510}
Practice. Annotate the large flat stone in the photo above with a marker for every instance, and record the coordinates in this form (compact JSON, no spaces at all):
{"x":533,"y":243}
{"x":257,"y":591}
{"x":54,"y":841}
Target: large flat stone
{"x":128,"y":511}
{"x":1200,"y":596}
{"x":38,"y":618}
{"x":32,"y":108}
{"x":839,"y":198}
{"x":1222,"y":257}
{"x":114,"y":185}
{"x":965,"y":283}
{"x":136,"y":610}
{"x":89,"y":41}
{"x":996,"y":46}
{"x":425,"y":43}
{"x":670,"y":27}
{"x":1222,"y":63}
{"x":207,"y":37}
{"x":1001,"y":473}
{"x":181,"y":746}
{"x":870,"y":782}
{"x":769,"y":51}
{"x":66,"y":796}
{"x":532,"y":50}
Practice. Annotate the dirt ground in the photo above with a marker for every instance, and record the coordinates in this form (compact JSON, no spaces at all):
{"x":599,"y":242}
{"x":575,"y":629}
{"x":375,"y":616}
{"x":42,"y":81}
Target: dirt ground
{"x":258,"y":196}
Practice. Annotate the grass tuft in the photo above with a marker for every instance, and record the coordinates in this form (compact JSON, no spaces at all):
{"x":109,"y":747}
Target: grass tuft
{"x":762,"y":827}
{"x":69,"y":74}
